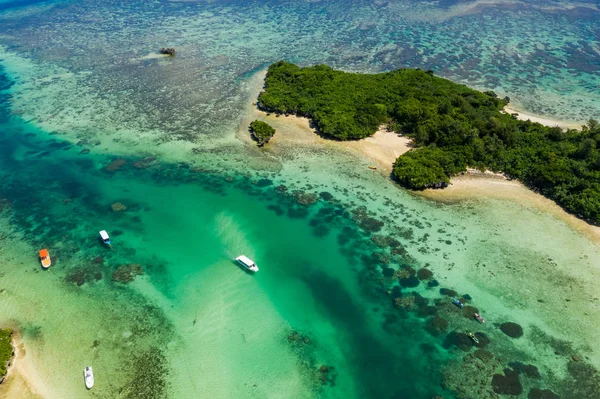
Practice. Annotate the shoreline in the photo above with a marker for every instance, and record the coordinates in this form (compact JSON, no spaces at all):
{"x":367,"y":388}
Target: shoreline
{"x":384,"y":147}
{"x":380,"y":150}
{"x":543,"y":120}
{"x":494,"y":186}
{"x":22,"y":380}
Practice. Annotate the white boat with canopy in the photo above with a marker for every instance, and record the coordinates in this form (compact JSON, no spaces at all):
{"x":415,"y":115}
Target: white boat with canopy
{"x":104,"y":236}
{"x":247,"y":263}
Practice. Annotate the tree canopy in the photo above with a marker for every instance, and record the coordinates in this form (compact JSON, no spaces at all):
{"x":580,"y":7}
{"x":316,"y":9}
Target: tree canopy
{"x":452,"y":126}
{"x":261,"y":132}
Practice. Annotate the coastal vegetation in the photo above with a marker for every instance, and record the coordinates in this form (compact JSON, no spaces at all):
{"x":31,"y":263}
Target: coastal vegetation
{"x":261,"y":132}
{"x":6,"y":350}
{"x":453,"y":127}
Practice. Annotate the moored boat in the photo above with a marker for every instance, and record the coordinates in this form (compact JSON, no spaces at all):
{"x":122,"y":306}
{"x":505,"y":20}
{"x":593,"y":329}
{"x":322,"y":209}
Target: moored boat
{"x":458,"y":303}
{"x":45,"y":258}
{"x":473,"y":338}
{"x":247,"y":263}
{"x":104,"y":237}
{"x":478,"y":317}
{"x":88,"y":375}
{"x":372,"y":167}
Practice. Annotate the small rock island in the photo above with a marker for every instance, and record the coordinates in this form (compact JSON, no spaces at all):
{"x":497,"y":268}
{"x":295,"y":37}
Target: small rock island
{"x":452,"y":126}
{"x":261,"y":132}
{"x":168,"y":51}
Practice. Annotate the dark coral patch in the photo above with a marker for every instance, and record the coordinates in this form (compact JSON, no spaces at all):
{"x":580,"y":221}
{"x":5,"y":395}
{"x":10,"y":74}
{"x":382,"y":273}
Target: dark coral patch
{"x":536,"y":393}
{"x":447,"y":292}
{"x":511,"y":329}
{"x":460,"y":340}
{"x":424,"y":274}
{"x":436,"y":325}
{"x":410,"y":282}
{"x":388,"y":271}
{"x":529,"y":370}
{"x":326,"y":196}
{"x":507,"y":384}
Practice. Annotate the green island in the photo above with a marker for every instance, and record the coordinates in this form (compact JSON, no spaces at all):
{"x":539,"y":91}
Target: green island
{"x":6,"y":350}
{"x":261,"y":132}
{"x":453,"y":127}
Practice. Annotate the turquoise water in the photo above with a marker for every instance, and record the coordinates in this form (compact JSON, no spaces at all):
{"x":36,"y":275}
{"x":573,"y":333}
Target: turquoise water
{"x":90,"y":117}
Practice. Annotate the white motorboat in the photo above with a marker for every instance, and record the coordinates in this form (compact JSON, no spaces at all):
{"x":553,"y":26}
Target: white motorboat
{"x":88,"y":375}
{"x":104,"y":237}
{"x":247,"y":263}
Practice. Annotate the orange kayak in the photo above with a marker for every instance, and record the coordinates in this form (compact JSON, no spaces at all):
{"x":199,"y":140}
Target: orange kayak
{"x":45,"y":258}
{"x":372,"y":167}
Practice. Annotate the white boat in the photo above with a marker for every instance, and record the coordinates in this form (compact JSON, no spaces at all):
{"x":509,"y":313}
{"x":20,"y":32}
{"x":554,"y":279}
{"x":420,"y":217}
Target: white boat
{"x":88,"y":375}
{"x":247,"y":263}
{"x":104,"y":236}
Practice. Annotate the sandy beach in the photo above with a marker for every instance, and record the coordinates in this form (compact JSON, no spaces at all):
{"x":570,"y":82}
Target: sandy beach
{"x":379,"y":150}
{"x":524,"y":116}
{"x":22,"y":380}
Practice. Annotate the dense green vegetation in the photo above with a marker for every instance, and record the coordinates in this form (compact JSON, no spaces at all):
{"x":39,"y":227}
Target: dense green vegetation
{"x":6,"y":349}
{"x":261,"y":132}
{"x":452,"y":125}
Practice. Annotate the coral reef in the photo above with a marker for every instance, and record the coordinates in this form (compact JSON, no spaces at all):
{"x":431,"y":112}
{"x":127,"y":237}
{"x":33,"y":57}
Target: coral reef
{"x":448,"y":292}
{"x":507,"y":384}
{"x":436,"y":325}
{"x":127,"y":273}
{"x":424,"y":274}
{"x":82,"y":275}
{"x":536,"y":393}
{"x":304,"y":198}
{"x":115,"y":165}
{"x":118,"y":207}
{"x":511,"y":329}
{"x":297,"y":339}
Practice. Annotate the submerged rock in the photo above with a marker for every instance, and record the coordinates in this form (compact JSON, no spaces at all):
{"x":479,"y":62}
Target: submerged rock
{"x":511,"y":329}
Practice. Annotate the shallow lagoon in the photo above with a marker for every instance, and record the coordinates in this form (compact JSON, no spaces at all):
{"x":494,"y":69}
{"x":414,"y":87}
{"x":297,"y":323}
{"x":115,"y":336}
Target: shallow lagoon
{"x":327,"y":236}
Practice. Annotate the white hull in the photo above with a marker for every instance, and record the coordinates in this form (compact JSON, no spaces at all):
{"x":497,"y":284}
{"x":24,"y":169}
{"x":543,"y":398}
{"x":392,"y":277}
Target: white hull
{"x":247,"y":263}
{"x":88,"y":375}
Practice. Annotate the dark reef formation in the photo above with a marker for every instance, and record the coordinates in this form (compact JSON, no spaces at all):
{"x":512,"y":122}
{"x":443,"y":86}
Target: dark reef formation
{"x":511,"y":329}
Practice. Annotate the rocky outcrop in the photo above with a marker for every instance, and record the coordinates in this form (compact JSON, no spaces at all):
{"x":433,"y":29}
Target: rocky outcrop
{"x":168,"y":51}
